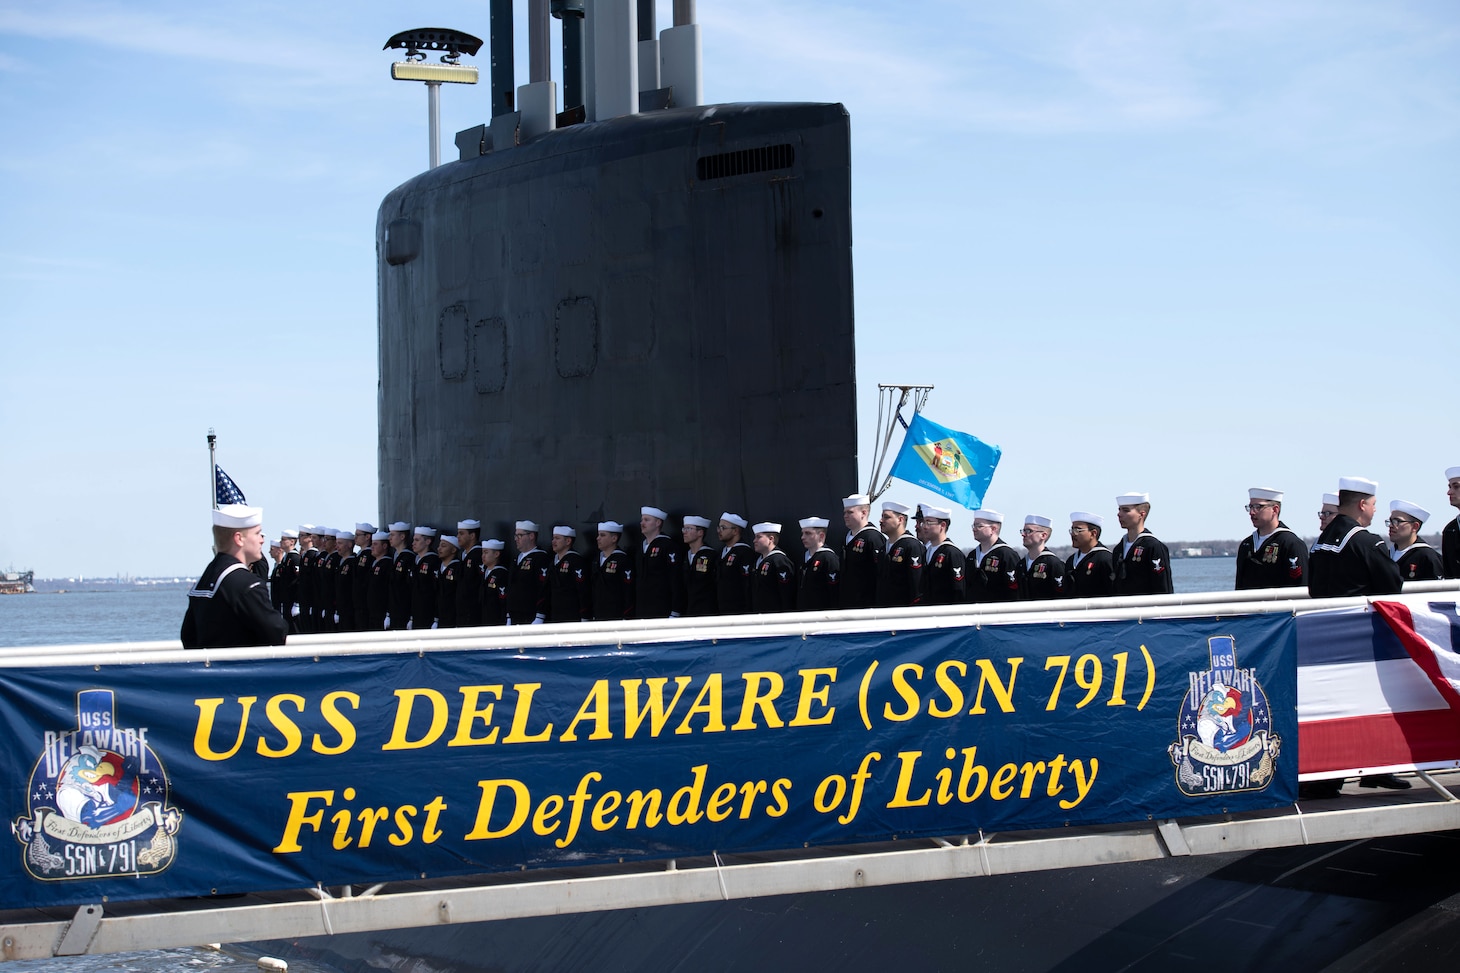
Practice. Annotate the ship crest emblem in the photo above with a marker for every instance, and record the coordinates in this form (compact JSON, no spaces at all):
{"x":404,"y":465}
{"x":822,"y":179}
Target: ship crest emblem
{"x":98,"y":801}
{"x":946,"y":460}
{"x":1224,"y":738}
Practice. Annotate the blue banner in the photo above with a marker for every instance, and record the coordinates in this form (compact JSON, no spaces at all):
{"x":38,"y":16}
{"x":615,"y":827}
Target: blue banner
{"x":950,"y":463}
{"x":172,"y":779}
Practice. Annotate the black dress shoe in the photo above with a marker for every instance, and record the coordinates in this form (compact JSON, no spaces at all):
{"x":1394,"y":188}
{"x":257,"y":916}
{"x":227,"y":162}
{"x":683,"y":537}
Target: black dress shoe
{"x":1385,"y":780}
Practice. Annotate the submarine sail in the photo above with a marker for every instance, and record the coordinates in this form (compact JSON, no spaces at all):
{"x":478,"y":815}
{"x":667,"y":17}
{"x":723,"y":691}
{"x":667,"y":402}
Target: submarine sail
{"x":650,"y":309}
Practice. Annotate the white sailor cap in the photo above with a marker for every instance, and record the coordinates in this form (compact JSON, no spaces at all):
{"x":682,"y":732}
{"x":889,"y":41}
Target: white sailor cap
{"x":653,"y":512}
{"x":1452,"y":472}
{"x":1132,"y":498}
{"x":735,"y":519}
{"x":1331,"y":498}
{"x":927,"y":510}
{"x":856,"y":500}
{"x":493,"y":545}
{"x":1083,"y":517}
{"x":1264,"y":493}
{"x":767,"y":527}
{"x":611,"y":527}
{"x":294,"y":534}
{"x":380,"y":535}
{"x":425,"y":531}
{"x":238,"y":516}
{"x":468,"y":525}
{"x":1413,"y":509}
{"x":563,"y":530}
{"x":1358,"y":484}
{"x":897,"y":508}
{"x":275,"y":543}
{"x":993,"y":516}
{"x":814,"y":522}
{"x":450,"y":539}
{"x":345,"y":535}
{"x":401,"y":527}
{"x":1034,"y":520}
{"x":365,"y":527}
{"x":697,"y":522}
{"x":527,"y":525}
{"x":306,"y":528}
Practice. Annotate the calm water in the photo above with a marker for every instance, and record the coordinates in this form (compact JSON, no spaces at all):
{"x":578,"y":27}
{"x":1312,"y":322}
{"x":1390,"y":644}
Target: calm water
{"x":147,"y":613}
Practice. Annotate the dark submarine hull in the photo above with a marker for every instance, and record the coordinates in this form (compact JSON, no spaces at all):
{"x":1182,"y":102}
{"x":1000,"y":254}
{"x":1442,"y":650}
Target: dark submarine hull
{"x":655,"y":309}
{"x":1378,"y":904}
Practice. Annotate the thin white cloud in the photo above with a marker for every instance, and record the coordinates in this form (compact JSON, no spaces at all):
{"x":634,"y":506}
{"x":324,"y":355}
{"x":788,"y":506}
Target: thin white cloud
{"x":239,"y":42}
{"x":1293,"y":72}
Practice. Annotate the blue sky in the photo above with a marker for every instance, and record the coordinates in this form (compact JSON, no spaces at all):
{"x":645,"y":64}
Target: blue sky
{"x":1178,"y":247}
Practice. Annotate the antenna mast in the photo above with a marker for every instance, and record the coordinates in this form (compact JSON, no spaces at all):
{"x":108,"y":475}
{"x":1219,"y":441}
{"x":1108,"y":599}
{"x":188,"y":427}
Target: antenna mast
{"x":891,"y":400}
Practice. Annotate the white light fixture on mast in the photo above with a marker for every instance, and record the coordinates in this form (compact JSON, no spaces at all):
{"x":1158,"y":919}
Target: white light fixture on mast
{"x":414,"y":68}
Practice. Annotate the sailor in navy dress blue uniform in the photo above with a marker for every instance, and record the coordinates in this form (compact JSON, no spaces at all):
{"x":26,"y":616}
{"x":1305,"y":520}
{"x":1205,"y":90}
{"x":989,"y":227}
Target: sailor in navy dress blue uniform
{"x":657,"y":564}
{"x":447,"y":581}
{"x":996,"y":569}
{"x":276,"y":554}
{"x":569,"y":598}
{"x":494,"y":583}
{"x":820,"y":568}
{"x":308,"y":562}
{"x":1272,"y":556}
{"x":1142,"y":563}
{"x":737,"y":562}
{"x":426,"y":580}
{"x":1417,"y":561}
{"x":901,"y":583}
{"x":944,"y":582}
{"x":696,"y":593}
{"x":229,"y":606}
{"x":469,"y":574}
{"x":364,"y":561}
{"x":1090,"y":571}
{"x":289,"y":577}
{"x":327,"y":571}
{"x":527,"y":588}
{"x":382,"y":575}
{"x":773,"y":583}
{"x":861,"y":554}
{"x":1450,"y":536}
{"x":1347,"y":560}
{"x":402,"y":577}
{"x":613,"y":576}
{"x":345,"y":584}
{"x":1044,"y":573}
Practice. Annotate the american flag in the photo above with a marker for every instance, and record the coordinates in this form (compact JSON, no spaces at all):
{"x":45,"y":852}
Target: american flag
{"x":1379,"y":688}
{"x":225,"y":489}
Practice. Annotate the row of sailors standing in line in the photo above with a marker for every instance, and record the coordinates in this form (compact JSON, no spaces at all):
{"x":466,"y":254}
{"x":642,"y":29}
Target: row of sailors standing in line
{"x":416,"y":578}
{"x":405,"y":578}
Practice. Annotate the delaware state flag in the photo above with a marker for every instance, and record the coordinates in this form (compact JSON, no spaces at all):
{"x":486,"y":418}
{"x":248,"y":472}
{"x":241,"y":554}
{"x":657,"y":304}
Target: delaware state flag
{"x":950,"y":463}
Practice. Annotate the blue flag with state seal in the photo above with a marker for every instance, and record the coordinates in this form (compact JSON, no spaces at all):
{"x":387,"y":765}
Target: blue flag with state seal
{"x":950,"y":463}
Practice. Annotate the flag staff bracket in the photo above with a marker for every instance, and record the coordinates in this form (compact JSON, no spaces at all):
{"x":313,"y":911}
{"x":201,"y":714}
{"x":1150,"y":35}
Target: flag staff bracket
{"x":891,"y":400}
{"x":213,"y":466}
